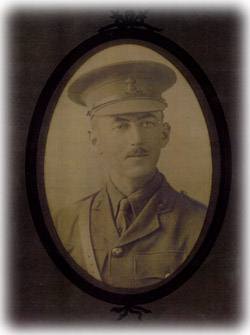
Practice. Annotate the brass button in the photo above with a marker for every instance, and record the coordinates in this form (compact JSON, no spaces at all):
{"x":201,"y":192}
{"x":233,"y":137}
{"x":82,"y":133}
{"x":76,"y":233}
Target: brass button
{"x":117,"y":252}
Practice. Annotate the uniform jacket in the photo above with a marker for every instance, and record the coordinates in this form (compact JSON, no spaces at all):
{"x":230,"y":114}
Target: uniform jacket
{"x":153,"y":246}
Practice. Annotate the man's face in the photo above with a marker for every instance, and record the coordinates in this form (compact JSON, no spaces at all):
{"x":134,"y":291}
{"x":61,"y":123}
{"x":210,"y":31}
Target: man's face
{"x":130,"y":144}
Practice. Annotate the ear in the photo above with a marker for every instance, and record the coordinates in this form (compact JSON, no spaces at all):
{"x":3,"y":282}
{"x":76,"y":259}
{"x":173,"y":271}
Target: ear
{"x":165,"y":133}
{"x":94,"y":140}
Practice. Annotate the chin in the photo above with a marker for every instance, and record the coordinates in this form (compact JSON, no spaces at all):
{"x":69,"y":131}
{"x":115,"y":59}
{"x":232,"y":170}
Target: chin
{"x":139,"y":172}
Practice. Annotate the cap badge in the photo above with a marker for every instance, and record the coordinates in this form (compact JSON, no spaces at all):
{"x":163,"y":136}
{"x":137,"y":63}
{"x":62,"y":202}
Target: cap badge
{"x":132,"y":88}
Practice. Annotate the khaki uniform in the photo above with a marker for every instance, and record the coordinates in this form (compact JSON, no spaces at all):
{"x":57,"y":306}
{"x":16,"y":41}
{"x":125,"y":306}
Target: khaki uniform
{"x":153,"y":247}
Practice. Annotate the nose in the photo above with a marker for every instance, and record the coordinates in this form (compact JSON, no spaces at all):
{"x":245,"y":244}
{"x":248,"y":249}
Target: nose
{"x":135,"y":135}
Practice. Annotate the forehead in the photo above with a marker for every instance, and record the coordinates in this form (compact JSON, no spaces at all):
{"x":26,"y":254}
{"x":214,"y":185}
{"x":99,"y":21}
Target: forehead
{"x":129,"y":116}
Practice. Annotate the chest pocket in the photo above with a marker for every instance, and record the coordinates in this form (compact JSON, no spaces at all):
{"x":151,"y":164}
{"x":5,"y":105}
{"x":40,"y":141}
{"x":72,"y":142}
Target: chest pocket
{"x":158,"y":265}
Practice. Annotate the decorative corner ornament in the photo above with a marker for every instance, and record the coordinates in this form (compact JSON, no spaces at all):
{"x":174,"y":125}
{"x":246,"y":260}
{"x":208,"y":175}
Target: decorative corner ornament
{"x":125,"y":310}
{"x":129,"y":20}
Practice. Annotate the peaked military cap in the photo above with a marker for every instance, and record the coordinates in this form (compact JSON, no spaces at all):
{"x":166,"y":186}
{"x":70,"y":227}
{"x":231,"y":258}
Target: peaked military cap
{"x":121,"y":88}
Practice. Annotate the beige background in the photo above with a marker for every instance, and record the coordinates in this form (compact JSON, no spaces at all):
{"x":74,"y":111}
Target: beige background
{"x":72,"y":169}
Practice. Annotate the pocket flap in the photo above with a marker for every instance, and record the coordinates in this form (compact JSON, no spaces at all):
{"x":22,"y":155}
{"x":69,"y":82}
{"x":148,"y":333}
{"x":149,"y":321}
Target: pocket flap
{"x":157,"y":264}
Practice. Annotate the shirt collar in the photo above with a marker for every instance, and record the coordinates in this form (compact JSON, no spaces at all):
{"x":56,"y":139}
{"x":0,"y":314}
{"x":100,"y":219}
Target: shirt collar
{"x":138,"y":198}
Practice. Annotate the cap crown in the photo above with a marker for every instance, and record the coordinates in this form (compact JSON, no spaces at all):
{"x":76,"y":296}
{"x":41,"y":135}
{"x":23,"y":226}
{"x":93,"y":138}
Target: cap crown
{"x":123,"y":88}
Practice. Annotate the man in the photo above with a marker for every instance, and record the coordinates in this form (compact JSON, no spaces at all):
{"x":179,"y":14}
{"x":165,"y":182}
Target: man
{"x":137,"y":230}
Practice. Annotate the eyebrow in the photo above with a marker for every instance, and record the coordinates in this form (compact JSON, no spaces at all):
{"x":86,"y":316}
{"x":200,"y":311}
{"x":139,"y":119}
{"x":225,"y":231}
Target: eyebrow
{"x":120,"y":118}
{"x":147,"y":116}
{"x":140,"y":117}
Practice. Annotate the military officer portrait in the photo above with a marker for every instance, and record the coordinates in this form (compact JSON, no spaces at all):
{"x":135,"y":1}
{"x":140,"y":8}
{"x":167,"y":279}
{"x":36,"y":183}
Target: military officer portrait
{"x":136,"y":230}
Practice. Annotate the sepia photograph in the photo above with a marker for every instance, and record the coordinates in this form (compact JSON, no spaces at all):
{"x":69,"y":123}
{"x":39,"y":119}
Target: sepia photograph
{"x":128,"y":167}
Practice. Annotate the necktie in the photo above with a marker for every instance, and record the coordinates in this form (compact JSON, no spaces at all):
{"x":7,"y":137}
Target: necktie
{"x":124,"y":215}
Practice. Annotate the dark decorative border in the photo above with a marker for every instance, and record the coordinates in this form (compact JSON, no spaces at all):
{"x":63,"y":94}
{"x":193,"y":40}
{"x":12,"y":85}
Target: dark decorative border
{"x":221,"y":154}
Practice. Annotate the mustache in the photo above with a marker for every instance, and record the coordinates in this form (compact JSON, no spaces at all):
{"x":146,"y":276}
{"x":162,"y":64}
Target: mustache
{"x":139,"y":151}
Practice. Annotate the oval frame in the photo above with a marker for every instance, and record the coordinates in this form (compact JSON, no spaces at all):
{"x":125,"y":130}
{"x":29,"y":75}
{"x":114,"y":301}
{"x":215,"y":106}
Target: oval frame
{"x":221,"y":161}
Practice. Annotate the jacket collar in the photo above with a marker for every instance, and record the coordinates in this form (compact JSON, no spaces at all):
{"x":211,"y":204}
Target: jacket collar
{"x":137,"y":199}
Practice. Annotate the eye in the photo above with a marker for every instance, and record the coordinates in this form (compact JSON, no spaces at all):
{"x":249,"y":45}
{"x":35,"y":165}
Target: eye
{"x":121,"y":126}
{"x":148,"y":124}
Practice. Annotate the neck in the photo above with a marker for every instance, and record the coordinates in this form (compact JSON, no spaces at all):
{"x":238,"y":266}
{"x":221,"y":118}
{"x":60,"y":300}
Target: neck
{"x":130,"y":185}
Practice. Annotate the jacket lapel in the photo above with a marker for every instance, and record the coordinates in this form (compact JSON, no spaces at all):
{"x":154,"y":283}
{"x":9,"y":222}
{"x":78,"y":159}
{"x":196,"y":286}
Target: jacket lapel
{"x":145,"y":223}
{"x":103,"y":230}
{"x":148,"y":221}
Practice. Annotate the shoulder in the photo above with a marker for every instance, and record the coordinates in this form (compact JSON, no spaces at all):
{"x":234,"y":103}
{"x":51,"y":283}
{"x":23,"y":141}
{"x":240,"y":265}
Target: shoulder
{"x":190,"y":207}
{"x":180,"y":202}
{"x":67,"y":216}
{"x":73,"y":209}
